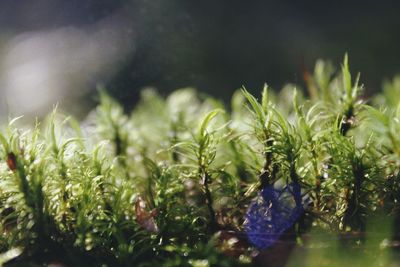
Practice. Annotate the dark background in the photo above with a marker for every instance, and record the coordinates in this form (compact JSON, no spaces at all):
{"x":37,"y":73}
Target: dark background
{"x":218,"y":46}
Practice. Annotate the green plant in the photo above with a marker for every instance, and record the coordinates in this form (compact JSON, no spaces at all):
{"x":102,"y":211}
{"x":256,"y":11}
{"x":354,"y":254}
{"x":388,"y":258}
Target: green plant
{"x":172,"y":183}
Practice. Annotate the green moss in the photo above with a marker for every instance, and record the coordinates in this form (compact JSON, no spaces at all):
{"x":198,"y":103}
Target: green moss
{"x":170,"y":183}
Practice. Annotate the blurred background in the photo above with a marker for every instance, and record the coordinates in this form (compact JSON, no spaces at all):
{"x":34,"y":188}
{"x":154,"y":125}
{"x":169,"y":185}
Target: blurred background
{"x":58,"y":51}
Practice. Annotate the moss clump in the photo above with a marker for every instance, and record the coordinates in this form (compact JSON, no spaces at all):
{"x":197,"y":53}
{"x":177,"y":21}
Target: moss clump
{"x":171,"y":183}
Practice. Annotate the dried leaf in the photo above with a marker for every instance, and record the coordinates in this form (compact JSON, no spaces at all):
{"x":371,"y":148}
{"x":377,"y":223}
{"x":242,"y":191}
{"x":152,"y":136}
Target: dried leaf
{"x":145,"y":218}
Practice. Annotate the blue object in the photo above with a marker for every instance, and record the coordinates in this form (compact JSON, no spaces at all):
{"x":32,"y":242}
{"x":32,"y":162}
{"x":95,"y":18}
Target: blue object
{"x":272,"y":213}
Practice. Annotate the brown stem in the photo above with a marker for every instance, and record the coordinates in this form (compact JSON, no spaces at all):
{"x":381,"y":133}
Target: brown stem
{"x":209,"y":201}
{"x":266,"y":174}
{"x":353,"y":216}
{"x":347,"y":120}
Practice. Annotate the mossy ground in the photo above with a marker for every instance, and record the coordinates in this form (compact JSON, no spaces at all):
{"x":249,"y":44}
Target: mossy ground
{"x":170,"y":184}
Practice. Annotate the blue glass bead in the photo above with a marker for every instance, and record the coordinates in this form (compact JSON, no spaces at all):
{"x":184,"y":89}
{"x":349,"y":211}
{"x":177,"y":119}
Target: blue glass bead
{"x":272,"y":213}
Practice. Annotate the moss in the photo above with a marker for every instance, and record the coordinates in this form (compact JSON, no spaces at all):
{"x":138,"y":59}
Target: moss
{"x":170,"y":184}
